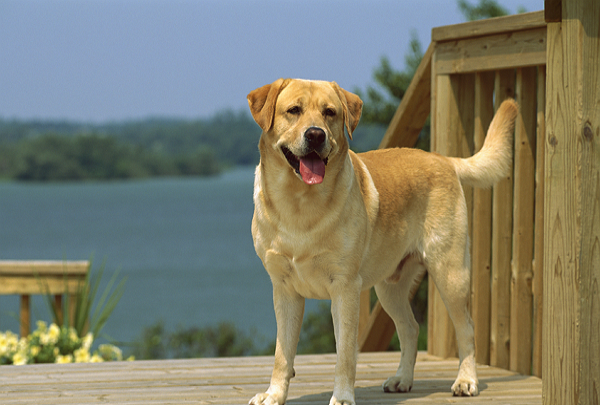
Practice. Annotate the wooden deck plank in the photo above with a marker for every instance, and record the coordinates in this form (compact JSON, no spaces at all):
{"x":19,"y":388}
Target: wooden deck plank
{"x":236,"y":380}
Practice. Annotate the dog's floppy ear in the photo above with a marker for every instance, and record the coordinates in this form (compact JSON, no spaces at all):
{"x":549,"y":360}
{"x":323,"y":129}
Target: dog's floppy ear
{"x":262,"y":103}
{"x":352,"y":108}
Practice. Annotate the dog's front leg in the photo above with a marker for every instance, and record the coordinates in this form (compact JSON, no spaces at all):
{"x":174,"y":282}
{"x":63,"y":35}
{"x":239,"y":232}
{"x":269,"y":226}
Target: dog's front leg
{"x":289,"y":311}
{"x":345,"y":306}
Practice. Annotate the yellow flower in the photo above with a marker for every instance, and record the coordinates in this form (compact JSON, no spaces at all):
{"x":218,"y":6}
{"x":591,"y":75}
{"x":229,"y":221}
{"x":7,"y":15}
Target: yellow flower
{"x":45,"y":339}
{"x":22,"y":345}
{"x":11,"y":341}
{"x":82,"y":355}
{"x":96,"y":358}
{"x":110,"y":352}
{"x":42,"y":326}
{"x":87,"y":341}
{"x":52,"y":335}
{"x":19,"y":359}
{"x":64,"y":359}
{"x":34,"y":350}
{"x":3,"y":344}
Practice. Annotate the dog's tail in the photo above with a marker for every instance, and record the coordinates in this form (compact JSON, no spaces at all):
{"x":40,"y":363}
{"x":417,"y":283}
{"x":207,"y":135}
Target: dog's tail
{"x":493,"y":161}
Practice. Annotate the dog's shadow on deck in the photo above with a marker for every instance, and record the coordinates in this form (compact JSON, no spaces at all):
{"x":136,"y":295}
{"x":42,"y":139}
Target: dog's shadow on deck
{"x":439,"y":388}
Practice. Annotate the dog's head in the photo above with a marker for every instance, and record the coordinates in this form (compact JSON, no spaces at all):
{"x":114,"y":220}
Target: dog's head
{"x":303,"y":123}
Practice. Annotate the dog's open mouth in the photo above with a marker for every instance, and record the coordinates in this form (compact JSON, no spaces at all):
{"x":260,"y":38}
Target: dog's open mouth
{"x":310,"y":167}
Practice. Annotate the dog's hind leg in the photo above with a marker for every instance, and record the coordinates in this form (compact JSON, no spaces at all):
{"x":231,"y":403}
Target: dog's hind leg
{"x":395,"y":299}
{"x":452,"y":276}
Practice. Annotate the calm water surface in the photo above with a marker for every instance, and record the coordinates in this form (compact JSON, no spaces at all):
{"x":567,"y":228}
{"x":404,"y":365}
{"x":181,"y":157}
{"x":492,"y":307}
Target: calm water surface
{"x":184,"y":245}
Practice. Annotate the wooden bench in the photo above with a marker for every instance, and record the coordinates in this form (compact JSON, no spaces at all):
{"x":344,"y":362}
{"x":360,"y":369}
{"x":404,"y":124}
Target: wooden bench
{"x":26,"y":278}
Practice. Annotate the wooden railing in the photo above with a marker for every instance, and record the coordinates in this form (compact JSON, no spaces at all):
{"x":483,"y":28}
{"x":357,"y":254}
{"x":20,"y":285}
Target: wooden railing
{"x":26,"y":278}
{"x":466,"y":72}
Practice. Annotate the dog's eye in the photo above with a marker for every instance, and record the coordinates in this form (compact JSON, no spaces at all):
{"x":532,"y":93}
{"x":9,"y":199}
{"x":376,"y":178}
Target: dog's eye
{"x":294,"y":110}
{"x":329,"y":112}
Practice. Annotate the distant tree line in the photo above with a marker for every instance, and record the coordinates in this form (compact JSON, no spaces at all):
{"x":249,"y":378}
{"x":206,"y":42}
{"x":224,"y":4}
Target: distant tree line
{"x":53,"y":157}
{"x":68,"y":151}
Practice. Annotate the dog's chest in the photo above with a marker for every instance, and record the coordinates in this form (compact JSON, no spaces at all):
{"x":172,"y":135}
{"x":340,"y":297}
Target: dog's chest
{"x":297,"y":262}
{"x":309,"y":277}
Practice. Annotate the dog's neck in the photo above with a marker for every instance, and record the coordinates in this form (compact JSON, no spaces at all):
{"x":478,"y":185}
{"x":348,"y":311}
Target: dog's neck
{"x":285,"y":193}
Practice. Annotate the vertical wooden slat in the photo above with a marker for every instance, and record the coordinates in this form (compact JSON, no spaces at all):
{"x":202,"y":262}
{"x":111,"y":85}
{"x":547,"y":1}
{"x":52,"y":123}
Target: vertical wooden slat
{"x":482,"y":224}
{"x":523,"y":215}
{"x":453,"y":137}
{"x":538,"y":261}
{"x":441,"y":340}
{"x":25,"y":315}
{"x":365,"y":310}
{"x":58,"y":305}
{"x":501,"y":246}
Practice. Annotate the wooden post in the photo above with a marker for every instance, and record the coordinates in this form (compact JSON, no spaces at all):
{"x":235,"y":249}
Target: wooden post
{"x":571,"y":331}
{"x":58,"y":304}
{"x":25,"y":315}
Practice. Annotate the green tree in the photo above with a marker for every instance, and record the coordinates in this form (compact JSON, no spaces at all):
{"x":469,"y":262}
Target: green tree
{"x":222,"y":340}
{"x":379,"y":108}
{"x":485,"y":9}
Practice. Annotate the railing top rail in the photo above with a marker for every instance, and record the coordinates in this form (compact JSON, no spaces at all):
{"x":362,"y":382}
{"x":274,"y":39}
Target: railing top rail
{"x":31,"y":267}
{"x":490,"y":26}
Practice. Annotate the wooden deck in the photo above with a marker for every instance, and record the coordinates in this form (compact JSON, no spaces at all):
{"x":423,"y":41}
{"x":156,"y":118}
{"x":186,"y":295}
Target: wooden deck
{"x":236,"y":380}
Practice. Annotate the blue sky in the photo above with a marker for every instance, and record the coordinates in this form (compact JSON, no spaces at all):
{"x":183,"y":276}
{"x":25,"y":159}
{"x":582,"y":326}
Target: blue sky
{"x":106,"y":60}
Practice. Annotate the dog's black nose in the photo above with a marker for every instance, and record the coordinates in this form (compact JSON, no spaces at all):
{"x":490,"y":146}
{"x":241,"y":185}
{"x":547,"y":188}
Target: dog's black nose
{"x":315,"y":137}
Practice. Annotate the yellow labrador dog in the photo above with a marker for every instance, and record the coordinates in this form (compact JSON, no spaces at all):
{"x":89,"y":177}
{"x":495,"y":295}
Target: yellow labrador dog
{"x":329,"y":223}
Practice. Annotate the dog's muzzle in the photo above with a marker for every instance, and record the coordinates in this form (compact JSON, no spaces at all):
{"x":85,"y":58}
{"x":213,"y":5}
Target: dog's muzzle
{"x":310,"y":167}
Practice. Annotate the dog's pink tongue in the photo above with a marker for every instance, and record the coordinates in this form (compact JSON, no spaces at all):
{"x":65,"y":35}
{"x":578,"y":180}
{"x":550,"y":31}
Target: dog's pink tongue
{"x":312,"y":170}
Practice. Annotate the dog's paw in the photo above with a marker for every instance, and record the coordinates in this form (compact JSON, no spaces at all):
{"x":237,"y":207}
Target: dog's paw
{"x":264,"y":399}
{"x":336,"y":401}
{"x":465,"y":387}
{"x":396,"y":384}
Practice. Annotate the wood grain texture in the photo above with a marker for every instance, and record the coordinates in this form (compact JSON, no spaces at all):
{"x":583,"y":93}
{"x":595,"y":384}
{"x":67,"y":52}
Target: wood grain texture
{"x":42,"y":267}
{"x":521,"y":314}
{"x":26,"y":278}
{"x":236,"y":380}
{"x":519,"y":22}
{"x":498,"y":51}
{"x":538,"y":256}
{"x":571,"y":330}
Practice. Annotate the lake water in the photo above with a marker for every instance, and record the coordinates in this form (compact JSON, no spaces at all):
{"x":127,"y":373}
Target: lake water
{"x":184,"y":245}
